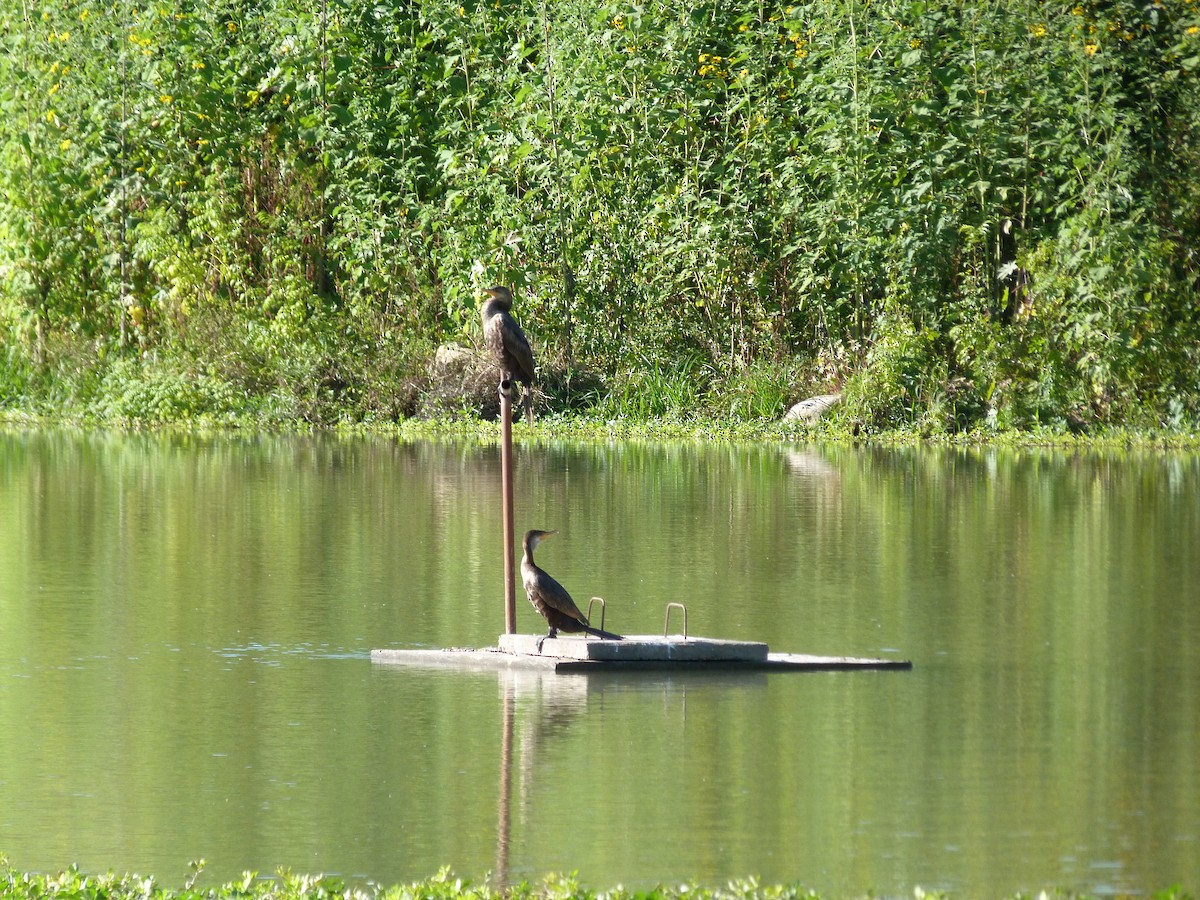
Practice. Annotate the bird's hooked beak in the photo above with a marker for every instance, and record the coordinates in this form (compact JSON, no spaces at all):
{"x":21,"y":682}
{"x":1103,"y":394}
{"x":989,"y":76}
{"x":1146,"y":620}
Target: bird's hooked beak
{"x":503,"y":294}
{"x":538,"y":537}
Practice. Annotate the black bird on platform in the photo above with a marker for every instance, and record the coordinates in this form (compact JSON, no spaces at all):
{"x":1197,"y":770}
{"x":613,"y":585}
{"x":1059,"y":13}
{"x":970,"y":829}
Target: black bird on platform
{"x":550,"y":598}
{"x":506,"y":342}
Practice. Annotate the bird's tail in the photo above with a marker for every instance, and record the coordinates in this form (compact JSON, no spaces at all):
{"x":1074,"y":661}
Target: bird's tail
{"x":606,"y":635}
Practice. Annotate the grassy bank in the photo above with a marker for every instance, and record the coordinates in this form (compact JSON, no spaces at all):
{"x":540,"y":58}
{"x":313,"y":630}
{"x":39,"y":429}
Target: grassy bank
{"x":74,"y":885}
{"x":429,"y":400}
{"x":582,"y":428}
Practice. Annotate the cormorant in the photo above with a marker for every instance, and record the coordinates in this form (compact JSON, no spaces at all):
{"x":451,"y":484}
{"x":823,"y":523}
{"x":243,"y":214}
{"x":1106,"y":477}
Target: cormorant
{"x":550,"y":598}
{"x":506,"y":342}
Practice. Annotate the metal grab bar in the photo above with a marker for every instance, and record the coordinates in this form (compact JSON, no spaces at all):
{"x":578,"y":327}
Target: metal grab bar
{"x":602,"y":610}
{"x":667,"y":621}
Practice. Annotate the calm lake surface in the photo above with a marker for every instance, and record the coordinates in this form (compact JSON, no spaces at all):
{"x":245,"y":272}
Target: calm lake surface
{"x":186,"y":622}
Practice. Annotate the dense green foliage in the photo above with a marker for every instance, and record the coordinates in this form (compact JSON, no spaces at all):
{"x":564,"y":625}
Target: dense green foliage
{"x":73,"y":885}
{"x":965,"y":214}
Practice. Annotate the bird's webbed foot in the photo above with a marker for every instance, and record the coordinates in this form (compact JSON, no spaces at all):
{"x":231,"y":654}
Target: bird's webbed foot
{"x":552,"y":633}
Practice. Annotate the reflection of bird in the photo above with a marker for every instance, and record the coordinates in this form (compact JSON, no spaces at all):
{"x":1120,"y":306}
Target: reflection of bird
{"x":550,"y":598}
{"x":506,"y":342}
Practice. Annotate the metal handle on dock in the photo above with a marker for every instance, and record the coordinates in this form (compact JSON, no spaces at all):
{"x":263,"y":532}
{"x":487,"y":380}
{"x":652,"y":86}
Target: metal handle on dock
{"x":602,"y":608}
{"x":667,"y":621}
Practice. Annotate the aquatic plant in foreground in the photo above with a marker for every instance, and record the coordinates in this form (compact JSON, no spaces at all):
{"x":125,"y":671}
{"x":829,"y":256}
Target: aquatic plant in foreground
{"x":72,"y":884}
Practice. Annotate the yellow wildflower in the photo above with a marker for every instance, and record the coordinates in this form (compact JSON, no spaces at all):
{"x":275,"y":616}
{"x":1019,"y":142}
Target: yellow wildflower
{"x":1194,"y":29}
{"x":1039,"y":30}
{"x":66,"y":144}
{"x":1090,"y":49}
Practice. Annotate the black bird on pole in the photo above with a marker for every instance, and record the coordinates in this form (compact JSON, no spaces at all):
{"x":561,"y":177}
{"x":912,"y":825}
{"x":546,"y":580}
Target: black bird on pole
{"x":550,"y":598}
{"x":507,"y":344}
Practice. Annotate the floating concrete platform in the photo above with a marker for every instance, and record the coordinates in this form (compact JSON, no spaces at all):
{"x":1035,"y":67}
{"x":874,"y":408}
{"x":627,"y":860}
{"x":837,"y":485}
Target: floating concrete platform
{"x":636,"y":652}
{"x":636,"y":648}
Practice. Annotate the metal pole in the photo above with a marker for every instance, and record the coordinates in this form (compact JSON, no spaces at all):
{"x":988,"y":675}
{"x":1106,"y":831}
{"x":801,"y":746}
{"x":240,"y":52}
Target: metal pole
{"x":506,"y":484}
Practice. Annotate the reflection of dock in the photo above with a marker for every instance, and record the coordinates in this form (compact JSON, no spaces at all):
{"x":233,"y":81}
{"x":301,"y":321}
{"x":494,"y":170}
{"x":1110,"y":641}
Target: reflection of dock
{"x":635,"y":653}
{"x":538,"y":707}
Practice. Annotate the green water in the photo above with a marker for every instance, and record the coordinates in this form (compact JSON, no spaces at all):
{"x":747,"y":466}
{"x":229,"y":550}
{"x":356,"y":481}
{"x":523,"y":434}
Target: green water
{"x":185,"y":628}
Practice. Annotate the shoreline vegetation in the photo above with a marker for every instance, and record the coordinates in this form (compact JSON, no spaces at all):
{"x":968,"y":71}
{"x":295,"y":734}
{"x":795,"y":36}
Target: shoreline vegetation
{"x":585,"y":429}
{"x":973,"y":221}
{"x":72,"y":884}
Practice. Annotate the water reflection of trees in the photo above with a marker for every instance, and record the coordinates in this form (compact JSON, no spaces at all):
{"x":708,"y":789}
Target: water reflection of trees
{"x":1044,"y":596}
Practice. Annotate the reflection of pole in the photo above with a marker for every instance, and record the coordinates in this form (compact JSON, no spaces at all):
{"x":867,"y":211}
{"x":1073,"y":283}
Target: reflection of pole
{"x":506,"y":483}
{"x":504,"y":817}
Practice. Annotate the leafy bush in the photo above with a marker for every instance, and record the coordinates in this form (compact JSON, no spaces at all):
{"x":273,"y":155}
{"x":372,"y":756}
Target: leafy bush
{"x":988,"y":208}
